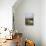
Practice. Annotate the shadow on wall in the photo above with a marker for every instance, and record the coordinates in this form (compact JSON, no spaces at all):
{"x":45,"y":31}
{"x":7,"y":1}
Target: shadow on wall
{"x":37,"y":41}
{"x":13,"y":44}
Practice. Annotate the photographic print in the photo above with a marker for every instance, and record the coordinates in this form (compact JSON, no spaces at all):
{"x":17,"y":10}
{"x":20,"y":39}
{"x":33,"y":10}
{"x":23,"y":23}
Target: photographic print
{"x":29,"y":21}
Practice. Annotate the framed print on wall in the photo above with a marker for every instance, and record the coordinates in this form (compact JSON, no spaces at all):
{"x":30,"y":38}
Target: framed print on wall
{"x":29,"y":20}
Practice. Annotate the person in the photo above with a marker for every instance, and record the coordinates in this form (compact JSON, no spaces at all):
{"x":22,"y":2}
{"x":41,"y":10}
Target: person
{"x":29,"y":43}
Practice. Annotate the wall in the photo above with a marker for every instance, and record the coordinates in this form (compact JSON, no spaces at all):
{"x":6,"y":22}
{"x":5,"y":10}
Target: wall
{"x":6,"y":13}
{"x":43,"y":22}
{"x":26,"y":8}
